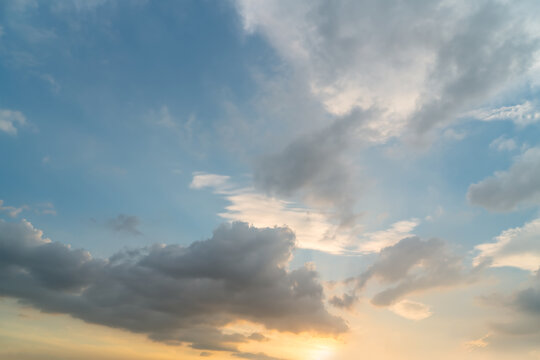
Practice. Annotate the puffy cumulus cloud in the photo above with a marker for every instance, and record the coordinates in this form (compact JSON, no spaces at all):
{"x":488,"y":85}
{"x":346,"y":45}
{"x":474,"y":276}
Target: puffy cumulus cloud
{"x":173,"y":294}
{"x":125,"y":223}
{"x":411,"y":310}
{"x":423,"y":62}
{"x":11,"y":121}
{"x":410,"y":266}
{"x":518,"y":247}
{"x":506,"y":190}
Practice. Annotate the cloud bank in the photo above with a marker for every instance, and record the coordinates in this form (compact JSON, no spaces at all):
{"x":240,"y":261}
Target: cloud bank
{"x":173,"y":294}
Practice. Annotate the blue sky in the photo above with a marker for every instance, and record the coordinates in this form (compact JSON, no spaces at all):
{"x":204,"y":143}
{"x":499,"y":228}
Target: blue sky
{"x":357,"y":125}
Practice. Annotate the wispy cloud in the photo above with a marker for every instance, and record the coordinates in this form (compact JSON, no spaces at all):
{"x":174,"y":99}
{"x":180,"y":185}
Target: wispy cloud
{"x":518,"y":247}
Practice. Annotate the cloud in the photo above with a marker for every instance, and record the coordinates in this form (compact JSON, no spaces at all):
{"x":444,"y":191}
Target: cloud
{"x":315,"y":167}
{"x":255,"y":356}
{"x":503,"y":144}
{"x":125,"y":223}
{"x":374,"y":242}
{"x":478,"y":343}
{"x":518,"y":247}
{"x":506,"y":190}
{"x":521,"y":114}
{"x":313,"y":228}
{"x":171,"y":293}
{"x":411,"y":310}
{"x":524,"y":308}
{"x":11,"y":210}
{"x":202,"y":180}
{"x":11,"y":120}
{"x":424,"y":63}
{"x":488,"y":49}
{"x":412,"y":265}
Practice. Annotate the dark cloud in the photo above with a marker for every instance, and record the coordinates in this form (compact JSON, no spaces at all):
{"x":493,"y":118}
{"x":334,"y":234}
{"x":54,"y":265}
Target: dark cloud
{"x":173,"y":294}
{"x":506,"y":190}
{"x":411,"y":265}
{"x":125,"y":223}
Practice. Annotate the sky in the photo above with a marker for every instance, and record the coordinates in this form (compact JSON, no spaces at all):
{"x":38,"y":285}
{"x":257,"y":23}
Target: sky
{"x":269,"y":180}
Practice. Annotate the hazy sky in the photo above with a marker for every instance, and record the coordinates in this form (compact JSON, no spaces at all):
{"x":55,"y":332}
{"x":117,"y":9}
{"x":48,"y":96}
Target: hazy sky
{"x":269,"y":179}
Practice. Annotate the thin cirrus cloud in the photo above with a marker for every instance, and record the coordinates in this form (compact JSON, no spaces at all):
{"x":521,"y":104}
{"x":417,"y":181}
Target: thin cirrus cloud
{"x":521,"y":114}
{"x":173,"y":294}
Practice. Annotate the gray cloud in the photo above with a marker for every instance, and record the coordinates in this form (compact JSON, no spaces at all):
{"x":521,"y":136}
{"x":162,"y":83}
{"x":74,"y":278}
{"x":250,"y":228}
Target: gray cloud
{"x":506,"y":190}
{"x":171,"y":293}
{"x":411,"y":265}
{"x":488,"y":49}
{"x":425,"y":62}
{"x":524,"y":306}
{"x":255,"y":356}
{"x":315,"y":166}
{"x":125,"y":223}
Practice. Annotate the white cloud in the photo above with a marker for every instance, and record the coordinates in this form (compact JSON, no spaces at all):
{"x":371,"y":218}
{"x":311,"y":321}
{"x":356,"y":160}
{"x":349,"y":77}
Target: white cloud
{"x":503,"y":144}
{"x":11,"y":120}
{"x":376,"y":241}
{"x":521,"y":114}
{"x":202,"y":180}
{"x":314,"y":228}
{"x":518,"y":247}
{"x":411,"y":310}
